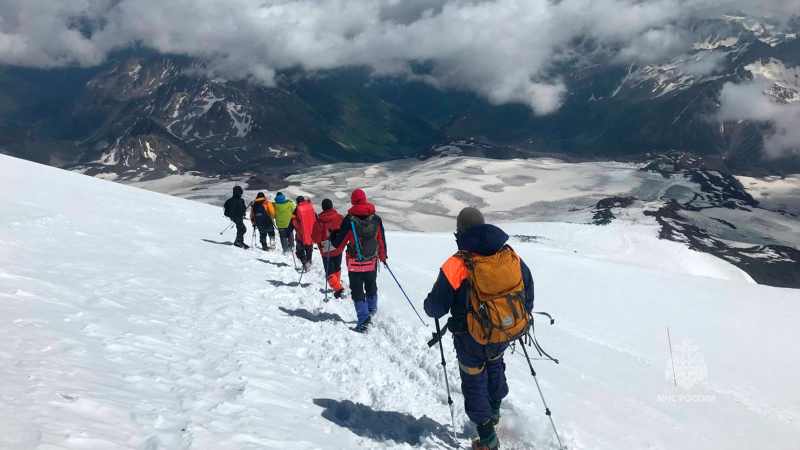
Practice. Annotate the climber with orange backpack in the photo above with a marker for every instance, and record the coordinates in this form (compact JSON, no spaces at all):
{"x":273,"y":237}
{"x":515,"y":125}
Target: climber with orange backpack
{"x":261,"y":216}
{"x":488,"y":291}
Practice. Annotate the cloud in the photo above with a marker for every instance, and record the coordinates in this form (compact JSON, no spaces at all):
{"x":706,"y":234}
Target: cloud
{"x":655,"y":45}
{"x":501,"y":49}
{"x":704,"y":64}
{"x":748,"y":101}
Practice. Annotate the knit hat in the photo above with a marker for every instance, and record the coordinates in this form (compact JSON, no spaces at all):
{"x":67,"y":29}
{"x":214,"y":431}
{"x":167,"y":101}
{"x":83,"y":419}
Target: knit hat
{"x":300,"y":199}
{"x":327,"y":204}
{"x":280,"y":197}
{"x":238,"y":191}
{"x":467,"y":218}
{"x":261,"y":195}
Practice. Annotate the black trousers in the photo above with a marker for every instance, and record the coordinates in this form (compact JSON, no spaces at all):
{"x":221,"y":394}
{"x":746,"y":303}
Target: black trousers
{"x":264,"y":229}
{"x":286,"y":239}
{"x":332,"y":264}
{"x":304,"y":252}
{"x":363,"y":284}
{"x":240,"y":229}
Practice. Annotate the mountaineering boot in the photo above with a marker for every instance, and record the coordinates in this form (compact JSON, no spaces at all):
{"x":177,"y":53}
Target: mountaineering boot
{"x":272,"y":243}
{"x":363,"y":327}
{"x":362,"y":313}
{"x":372,"y":303}
{"x":339,"y":293}
{"x":496,"y":413}
{"x":488,"y":437}
{"x":477,"y":445}
{"x":264,"y":247}
{"x":241,"y":245}
{"x":307,"y":266}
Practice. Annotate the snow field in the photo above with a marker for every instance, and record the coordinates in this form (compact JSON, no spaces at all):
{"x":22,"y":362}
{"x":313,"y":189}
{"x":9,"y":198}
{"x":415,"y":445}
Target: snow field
{"x":127,"y":322}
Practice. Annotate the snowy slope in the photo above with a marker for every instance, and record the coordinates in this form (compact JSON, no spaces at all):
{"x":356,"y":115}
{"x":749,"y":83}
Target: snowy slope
{"x":124,"y":323}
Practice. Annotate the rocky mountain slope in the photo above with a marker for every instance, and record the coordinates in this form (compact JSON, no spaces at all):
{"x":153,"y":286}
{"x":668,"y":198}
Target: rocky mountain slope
{"x":710,"y":211}
{"x":616,"y":109}
{"x":145,"y":115}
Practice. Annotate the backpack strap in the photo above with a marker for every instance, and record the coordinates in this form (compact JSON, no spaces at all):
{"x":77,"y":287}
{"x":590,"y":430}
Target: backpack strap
{"x":355,"y":237}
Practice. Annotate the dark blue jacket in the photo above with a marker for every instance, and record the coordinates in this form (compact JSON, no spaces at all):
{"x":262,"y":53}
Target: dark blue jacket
{"x":450,"y":294}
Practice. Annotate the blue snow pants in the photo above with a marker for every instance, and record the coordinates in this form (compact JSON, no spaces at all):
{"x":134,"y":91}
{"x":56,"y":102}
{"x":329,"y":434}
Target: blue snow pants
{"x":487,"y":386}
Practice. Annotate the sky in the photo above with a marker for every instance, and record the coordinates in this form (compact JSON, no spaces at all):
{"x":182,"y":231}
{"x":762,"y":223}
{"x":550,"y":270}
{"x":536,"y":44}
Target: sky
{"x":504,"y":50}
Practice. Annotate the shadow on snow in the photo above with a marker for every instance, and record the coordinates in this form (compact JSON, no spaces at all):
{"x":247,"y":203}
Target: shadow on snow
{"x":382,"y":425}
{"x":279,"y":264}
{"x":217,"y":242}
{"x":319,"y":317}
{"x":279,"y":283}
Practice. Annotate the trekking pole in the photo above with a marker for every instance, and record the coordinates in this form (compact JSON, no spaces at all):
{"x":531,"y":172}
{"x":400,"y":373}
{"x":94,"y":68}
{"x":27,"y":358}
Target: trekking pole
{"x":253,"y":241}
{"x":327,"y":269}
{"x":226,"y":229}
{"x":404,"y":293}
{"x":294,"y":259}
{"x":447,"y":383}
{"x":546,"y":409}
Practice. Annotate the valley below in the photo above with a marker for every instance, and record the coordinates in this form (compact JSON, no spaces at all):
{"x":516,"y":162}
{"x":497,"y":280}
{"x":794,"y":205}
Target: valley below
{"x":753,"y":223}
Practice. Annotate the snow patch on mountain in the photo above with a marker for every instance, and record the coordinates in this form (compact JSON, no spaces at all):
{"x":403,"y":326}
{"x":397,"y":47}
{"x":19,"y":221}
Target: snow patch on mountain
{"x":769,"y":31}
{"x":711,"y":43}
{"x":787,"y":78}
{"x":242,"y":122}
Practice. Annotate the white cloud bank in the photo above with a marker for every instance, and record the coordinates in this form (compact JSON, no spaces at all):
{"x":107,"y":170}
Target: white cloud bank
{"x":501,"y":49}
{"x":748,"y":101}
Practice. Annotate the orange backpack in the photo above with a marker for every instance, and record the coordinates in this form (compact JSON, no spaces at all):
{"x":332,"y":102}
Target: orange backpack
{"x":496,"y":312}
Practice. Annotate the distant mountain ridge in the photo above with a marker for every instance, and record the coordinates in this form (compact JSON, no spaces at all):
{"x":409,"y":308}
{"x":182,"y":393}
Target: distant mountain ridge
{"x":146,"y":115}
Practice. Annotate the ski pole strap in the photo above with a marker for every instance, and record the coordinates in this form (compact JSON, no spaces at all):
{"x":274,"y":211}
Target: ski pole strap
{"x":552,"y":321}
{"x":541,"y":351}
{"x":535,"y":344}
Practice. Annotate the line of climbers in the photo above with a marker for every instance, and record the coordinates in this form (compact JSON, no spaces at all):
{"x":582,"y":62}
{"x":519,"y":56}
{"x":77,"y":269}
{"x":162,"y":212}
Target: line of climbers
{"x":485,"y":287}
{"x":360,"y":235}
